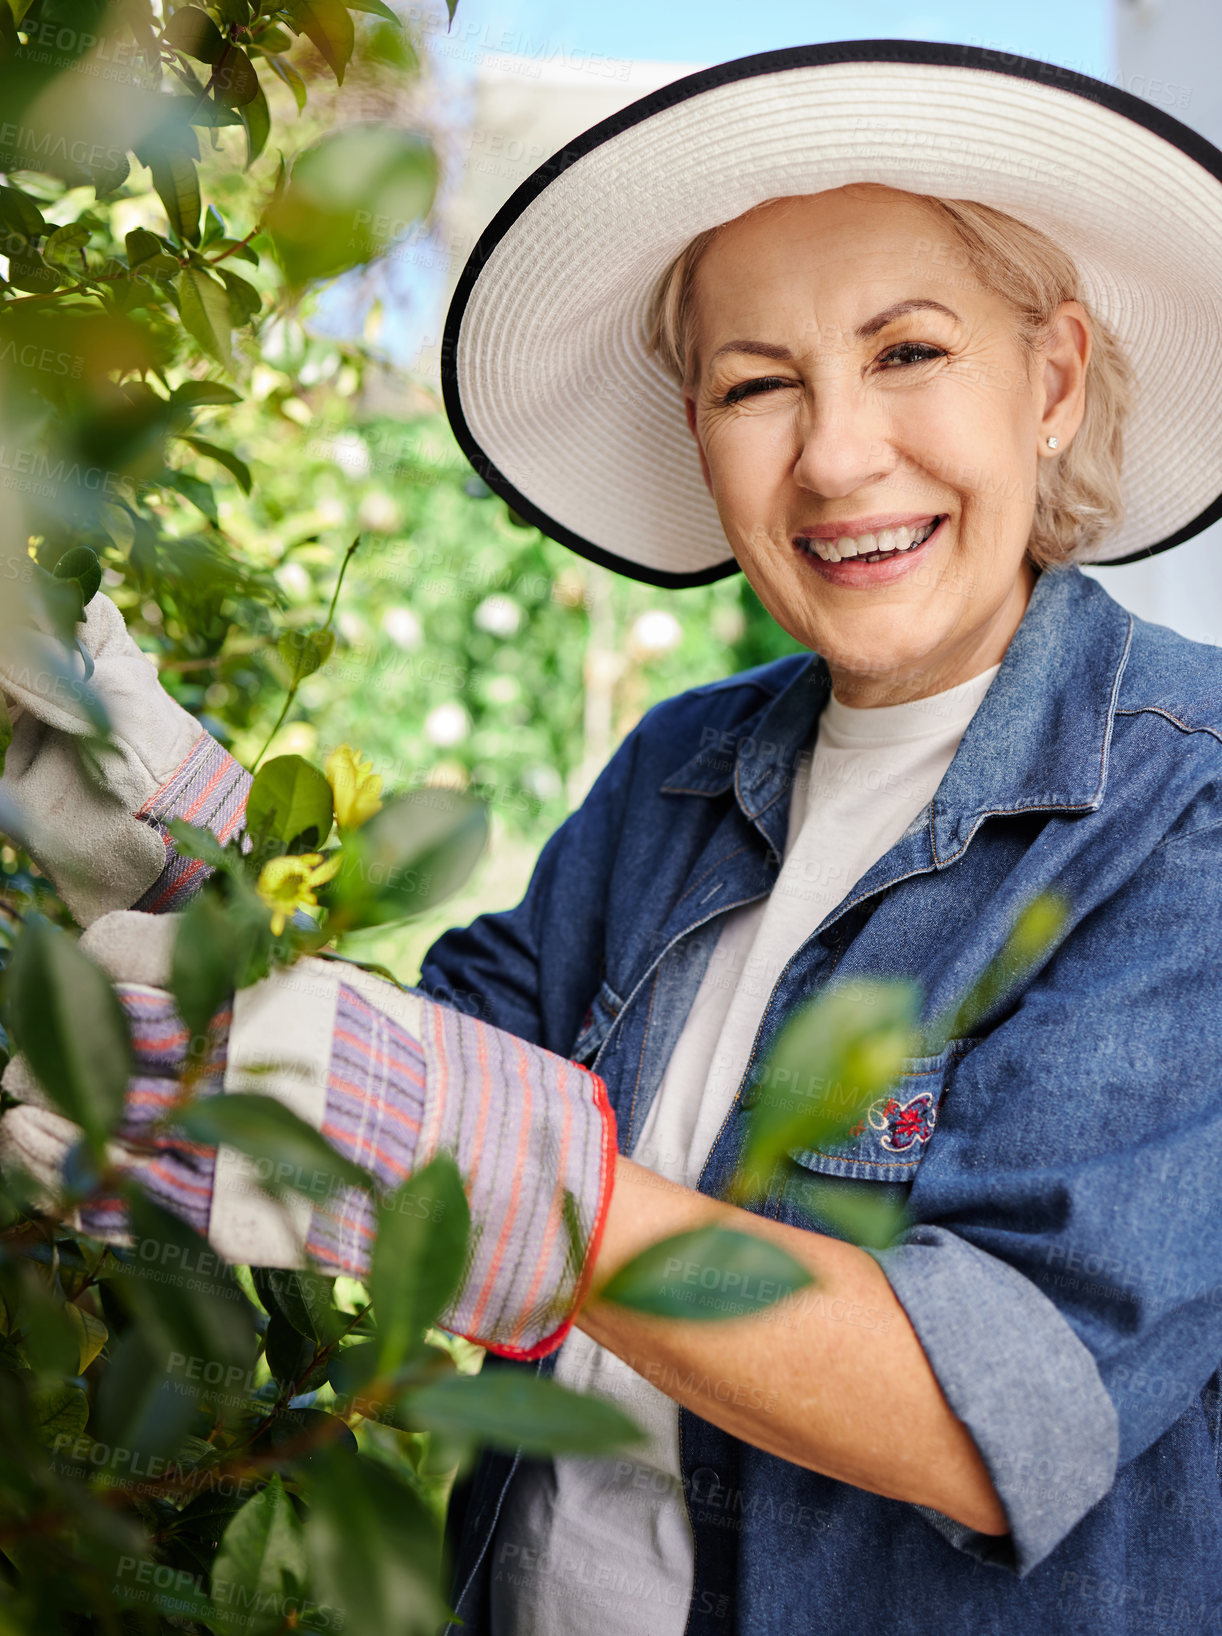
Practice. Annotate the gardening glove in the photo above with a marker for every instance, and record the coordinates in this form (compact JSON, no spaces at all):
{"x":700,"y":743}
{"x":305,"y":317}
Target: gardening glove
{"x":103,"y":842}
{"x":390,"y":1078}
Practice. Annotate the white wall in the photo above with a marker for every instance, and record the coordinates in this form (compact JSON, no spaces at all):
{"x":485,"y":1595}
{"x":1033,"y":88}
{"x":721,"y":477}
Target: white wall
{"x":1170,"y":53}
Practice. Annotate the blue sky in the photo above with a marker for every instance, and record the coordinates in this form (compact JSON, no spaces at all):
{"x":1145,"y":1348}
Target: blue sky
{"x":1074,"y":32}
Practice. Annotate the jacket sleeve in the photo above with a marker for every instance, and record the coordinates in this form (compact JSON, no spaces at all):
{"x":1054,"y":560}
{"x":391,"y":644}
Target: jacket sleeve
{"x":532,"y":970}
{"x":1063,"y":1263}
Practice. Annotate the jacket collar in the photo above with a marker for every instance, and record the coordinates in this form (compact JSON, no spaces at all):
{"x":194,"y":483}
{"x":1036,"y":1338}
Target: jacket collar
{"x":1038,"y":742}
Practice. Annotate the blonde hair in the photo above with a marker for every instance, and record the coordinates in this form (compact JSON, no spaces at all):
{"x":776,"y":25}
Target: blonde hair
{"x":1079,"y":495}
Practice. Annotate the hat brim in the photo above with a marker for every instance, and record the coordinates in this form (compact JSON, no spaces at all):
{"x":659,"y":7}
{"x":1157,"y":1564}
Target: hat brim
{"x":560,"y":407}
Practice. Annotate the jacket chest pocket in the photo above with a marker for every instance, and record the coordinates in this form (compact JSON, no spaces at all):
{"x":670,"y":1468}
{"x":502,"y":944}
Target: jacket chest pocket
{"x":889,"y":1141}
{"x":887,"y":1145}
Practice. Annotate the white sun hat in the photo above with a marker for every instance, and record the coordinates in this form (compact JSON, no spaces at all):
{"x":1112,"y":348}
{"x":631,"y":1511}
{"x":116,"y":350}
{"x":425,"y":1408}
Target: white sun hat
{"x":560,"y":407}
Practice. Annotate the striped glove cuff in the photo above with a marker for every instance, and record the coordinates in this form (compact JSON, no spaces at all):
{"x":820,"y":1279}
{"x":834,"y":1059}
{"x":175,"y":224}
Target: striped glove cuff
{"x":208,"y":789}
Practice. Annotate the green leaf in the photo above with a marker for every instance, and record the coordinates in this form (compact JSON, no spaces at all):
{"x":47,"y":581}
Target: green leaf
{"x":207,"y":951}
{"x":328,"y":26}
{"x":285,"y":71}
{"x":62,"y":1412}
{"x":28,"y":271}
{"x":149,"y":255}
{"x":63,"y":247}
{"x":376,"y":9}
{"x":832,"y":1058}
{"x":6,"y":733}
{"x":237,"y":249}
{"x":245,"y":302}
{"x":709,"y":1273}
{"x":409,"y":857}
{"x":418,"y":1257}
{"x":451,"y":8}
{"x":214,"y":227}
{"x":304,"y":1299}
{"x":289,"y":802}
{"x":204,"y":306}
{"x":195,"y":490}
{"x":304,"y":652}
{"x":374,"y":1547}
{"x":91,"y":1334}
{"x":290,"y":1356}
{"x":351,"y":194}
{"x":505,"y":1409}
{"x":198,"y":394}
{"x":224,"y":457}
{"x":176,"y":183}
{"x":261,"y":1569}
{"x":80,"y":565}
{"x":19,"y":214}
{"x":235,"y":81}
{"x":351,"y":1370}
{"x":201,"y":844}
{"x":1036,"y":931}
{"x":193,"y":32}
{"x":300,"y":1158}
{"x":256,"y":116}
{"x":68,"y":1021}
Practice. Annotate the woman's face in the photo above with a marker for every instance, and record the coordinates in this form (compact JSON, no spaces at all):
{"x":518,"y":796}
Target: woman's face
{"x":825,"y":412}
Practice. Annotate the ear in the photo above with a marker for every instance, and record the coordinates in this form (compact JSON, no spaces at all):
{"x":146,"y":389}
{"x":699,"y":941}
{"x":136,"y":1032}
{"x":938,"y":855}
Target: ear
{"x":1063,"y":376}
{"x":689,"y":409}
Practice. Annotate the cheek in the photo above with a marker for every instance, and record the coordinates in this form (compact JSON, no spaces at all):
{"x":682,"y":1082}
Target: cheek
{"x":748,"y":458}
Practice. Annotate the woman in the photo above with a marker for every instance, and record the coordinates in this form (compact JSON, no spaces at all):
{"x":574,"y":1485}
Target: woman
{"x":903,"y":412}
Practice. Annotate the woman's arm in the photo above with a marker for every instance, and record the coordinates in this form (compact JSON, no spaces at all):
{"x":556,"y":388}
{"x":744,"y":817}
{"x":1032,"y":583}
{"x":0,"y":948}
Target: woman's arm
{"x":834,"y":1378}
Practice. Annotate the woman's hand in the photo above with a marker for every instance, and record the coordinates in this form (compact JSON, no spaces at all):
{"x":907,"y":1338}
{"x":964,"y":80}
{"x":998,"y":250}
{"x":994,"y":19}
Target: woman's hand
{"x":390,"y":1078}
{"x":99,"y":833}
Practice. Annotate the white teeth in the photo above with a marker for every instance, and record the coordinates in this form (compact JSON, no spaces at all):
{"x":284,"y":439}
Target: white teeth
{"x":864,"y":545}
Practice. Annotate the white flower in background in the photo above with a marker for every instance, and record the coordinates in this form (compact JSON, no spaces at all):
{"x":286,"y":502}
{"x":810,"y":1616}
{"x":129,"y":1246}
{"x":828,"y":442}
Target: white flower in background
{"x":499,"y":616}
{"x":350,"y":453}
{"x":294,"y":579}
{"x":379,"y":513}
{"x":352,"y":627}
{"x":331,"y":511}
{"x":543,"y":782}
{"x":654,"y":633}
{"x":447,"y":725}
{"x":403,"y":628}
{"x":503,"y":689}
{"x":728,"y":624}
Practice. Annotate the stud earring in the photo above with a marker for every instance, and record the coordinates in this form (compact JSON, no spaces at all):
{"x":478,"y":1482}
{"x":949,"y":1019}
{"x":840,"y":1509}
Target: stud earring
{"x":1054,"y":442}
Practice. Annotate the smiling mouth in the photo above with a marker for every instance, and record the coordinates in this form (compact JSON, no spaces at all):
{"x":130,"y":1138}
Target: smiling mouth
{"x":893,"y":542}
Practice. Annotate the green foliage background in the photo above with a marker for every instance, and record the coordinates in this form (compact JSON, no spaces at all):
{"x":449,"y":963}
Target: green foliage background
{"x":186,"y":1445}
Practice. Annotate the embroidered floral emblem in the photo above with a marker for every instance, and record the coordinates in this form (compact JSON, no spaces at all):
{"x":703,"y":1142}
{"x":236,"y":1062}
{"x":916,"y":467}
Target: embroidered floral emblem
{"x":904,"y":1124}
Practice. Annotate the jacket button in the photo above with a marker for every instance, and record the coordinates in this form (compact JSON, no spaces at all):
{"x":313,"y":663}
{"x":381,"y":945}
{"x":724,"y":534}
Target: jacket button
{"x":705,"y":1483}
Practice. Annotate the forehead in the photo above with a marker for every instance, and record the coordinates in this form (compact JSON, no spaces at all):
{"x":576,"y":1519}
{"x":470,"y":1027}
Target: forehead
{"x":829,"y":242}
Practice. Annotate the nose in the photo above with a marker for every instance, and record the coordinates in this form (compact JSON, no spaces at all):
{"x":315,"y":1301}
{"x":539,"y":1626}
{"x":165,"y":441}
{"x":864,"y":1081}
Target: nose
{"x":842,"y":441}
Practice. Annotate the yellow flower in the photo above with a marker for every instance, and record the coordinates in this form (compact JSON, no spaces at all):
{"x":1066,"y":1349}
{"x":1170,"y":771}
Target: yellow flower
{"x":355,"y":788}
{"x":287,"y":884}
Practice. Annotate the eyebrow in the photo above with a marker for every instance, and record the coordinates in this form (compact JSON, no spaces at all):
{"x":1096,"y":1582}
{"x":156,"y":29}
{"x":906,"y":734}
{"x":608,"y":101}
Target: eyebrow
{"x":863,"y":332}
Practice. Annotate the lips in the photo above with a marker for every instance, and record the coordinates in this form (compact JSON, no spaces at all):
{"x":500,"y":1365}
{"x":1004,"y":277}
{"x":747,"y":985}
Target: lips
{"x":878,"y":568}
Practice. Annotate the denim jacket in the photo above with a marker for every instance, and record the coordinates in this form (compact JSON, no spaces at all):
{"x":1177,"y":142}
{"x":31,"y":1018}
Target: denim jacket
{"x":1062,"y":1262}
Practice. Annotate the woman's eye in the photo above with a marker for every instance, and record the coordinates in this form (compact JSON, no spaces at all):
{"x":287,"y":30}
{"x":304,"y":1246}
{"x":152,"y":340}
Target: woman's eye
{"x":908,"y":348}
{"x":747,"y":389}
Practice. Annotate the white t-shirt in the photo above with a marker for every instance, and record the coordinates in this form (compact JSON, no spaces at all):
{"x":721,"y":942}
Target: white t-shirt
{"x":604,"y":1547}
